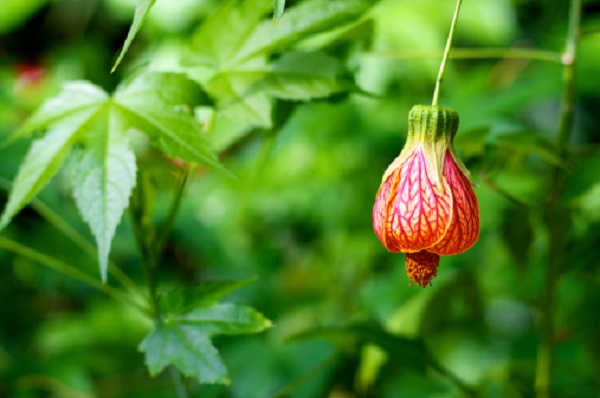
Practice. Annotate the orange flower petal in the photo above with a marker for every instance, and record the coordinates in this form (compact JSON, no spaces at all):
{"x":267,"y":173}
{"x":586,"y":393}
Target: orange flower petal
{"x":422,"y":267}
{"x":411,"y":213}
{"x":464,"y":227}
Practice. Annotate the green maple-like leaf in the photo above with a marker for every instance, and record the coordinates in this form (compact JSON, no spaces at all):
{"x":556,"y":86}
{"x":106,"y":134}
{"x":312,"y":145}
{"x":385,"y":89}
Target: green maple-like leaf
{"x":65,"y":118}
{"x":219,"y":38}
{"x":142,"y":9}
{"x":229,"y":58}
{"x":189,"y":318}
{"x":307,"y":18}
{"x":156,"y":104}
{"x":104,"y":179}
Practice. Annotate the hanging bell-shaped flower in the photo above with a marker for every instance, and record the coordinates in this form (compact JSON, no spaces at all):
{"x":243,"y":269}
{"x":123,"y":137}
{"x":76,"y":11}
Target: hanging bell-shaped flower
{"x":426,"y":206}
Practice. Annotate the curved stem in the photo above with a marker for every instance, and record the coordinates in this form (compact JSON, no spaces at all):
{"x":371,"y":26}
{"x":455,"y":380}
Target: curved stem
{"x":438,"y":81}
{"x":68,"y":270}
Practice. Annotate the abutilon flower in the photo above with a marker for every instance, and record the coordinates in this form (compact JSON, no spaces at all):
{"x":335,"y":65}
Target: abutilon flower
{"x":426,"y":206}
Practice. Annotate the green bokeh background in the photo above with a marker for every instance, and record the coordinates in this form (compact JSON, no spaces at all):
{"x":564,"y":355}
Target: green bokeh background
{"x":299,"y":214}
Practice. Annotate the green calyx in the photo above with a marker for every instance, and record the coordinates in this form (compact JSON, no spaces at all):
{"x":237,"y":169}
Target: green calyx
{"x":432,"y":128}
{"x":431,"y":124}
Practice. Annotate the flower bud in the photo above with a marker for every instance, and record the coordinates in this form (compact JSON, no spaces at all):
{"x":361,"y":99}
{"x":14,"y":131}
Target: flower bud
{"x":426,"y":206}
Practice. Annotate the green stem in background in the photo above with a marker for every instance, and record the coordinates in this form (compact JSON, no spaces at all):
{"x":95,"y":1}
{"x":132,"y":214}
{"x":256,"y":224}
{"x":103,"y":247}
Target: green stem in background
{"x":475,"y":53}
{"x":556,"y":217}
{"x":174,"y":209}
{"x":150,"y":244}
{"x":318,"y":369}
{"x":568,"y":78}
{"x":438,"y":82}
{"x":72,"y":234}
{"x":178,"y":383}
{"x":68,"y":270}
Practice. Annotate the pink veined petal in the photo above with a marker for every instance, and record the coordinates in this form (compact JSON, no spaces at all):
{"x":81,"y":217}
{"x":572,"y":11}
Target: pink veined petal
{"x":464,"y":227}
{"x":411,"y":213}
{"x":380,"y":209}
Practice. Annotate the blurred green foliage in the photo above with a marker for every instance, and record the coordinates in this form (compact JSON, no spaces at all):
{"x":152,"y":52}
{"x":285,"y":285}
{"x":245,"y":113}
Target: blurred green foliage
{"x":308,"y":160}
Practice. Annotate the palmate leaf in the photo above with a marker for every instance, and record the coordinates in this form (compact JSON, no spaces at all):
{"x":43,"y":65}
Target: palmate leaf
{"x":219,"y":37}
{"x":235,"y":43}
{"x":244,"y":95}
{"x":307,"y":18}
{"x":104,"y":179}
{"x":65,"y":117}
{"x":141,"y":12}
{"x":80,"y":99}
{"x":155,"y":104}
{"x":189,"y":318}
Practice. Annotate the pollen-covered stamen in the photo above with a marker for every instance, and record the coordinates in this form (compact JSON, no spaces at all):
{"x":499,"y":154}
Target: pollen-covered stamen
{"x":422,"y":267}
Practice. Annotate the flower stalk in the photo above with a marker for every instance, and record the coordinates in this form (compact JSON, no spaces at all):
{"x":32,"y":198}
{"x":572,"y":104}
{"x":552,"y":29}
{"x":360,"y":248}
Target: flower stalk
{"x":440,"y":77}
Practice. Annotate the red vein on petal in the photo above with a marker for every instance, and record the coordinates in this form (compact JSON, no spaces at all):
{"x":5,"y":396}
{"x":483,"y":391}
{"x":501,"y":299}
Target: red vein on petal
{"x":464,"y":227}
{"x":421,"y":213}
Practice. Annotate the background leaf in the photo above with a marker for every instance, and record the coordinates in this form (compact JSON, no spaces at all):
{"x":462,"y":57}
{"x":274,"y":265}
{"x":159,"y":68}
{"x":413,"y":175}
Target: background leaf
{"x":302,"y":20}
{"x":187,"y":348}
{"x":217,"y":40}
{"x":185,"y":299}
{"x":189,"y":318}
{"x":278,"y":7}
{"x":44,"y":158}
{"x":77,"y":97}
{"x":160,"y":106}
{"x":141,"y":12}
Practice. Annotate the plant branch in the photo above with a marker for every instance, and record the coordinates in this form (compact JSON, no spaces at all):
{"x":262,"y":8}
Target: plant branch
{"x":173,"y":210}
{"x":68,"y":270}
{"x":440,"y":77}
{"x":569,"y":58}
{"x":150,"y":244}
{"x":72,"y":234}
{"x":475,"y":53}
{"x":556,"y":217}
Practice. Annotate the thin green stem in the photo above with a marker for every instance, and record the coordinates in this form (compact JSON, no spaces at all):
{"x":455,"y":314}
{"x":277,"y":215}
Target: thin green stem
{"x":288,"y":389}
{"x":150,"y":245}
{"x":475,"y":53}
{"x":440,"y":77}
{"x":466,"y":389}
{"x":557,"y":219}
{"x":144,"y":234}
{"x":74,"y":236}
{"x":174,"y":209}
{"x":68,"y":270}
{"x":569,"y":58}
{"x":71,"y":233}
{"x":178,"y":383}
